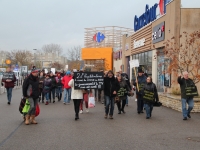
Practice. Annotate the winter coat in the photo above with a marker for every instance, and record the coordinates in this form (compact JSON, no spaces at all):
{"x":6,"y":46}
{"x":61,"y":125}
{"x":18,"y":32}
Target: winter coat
{"x":183,"y":83}
{"x":151,"y":87}
{"x":53,"y":82}
{"x":31,"y":87}
{"x":59,"y":82}
{"x":110,"y":85}
{"x":47,"y":86}
{"x":141,"y":82}
{"x":122,"y":92}
{"x":65,"y":81}
{"x":9,"y":84}
{"x":76,"y":94}
{"x":41,"y":81}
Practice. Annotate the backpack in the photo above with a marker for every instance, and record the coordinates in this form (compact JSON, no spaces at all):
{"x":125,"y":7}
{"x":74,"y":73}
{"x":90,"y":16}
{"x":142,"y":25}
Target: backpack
{"x":22,"y":104}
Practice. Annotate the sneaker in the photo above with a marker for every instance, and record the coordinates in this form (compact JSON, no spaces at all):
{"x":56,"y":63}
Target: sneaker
{"x":147,"y":117}
{"x":87,"y":110}
{"x":81,"y":112}
{"x":47,"y":103}
{"x":8,"y":103}
{"x":110,"y":117}
{"x":64,"y":103}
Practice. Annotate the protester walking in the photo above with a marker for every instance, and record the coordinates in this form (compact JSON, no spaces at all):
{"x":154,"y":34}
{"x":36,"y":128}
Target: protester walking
{"x":31,"y":92}
{"x":41,"y":82}
{"x":77,"y":96}
{"x":53,"y":87}
{"x":59,"y":86}
{"x":110,"y":91}
{"x":150,"y":96}
{"x":141,"y":81}
{"x":188,"y":91}
{"x":67,"y":88}
{"x":9,"y":80}
{"x":122,"y":93}
{"x":47,"y":87}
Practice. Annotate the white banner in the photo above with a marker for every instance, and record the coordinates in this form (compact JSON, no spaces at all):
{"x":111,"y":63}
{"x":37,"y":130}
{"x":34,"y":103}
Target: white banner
{"x":134,"y":63}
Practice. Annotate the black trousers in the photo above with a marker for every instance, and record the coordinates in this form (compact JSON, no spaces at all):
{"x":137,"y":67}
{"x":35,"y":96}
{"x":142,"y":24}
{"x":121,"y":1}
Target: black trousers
{"x":121,"y":107}
{"x":41,"y":94}
{"x":140,"y":103}
{"x":76,"y":105}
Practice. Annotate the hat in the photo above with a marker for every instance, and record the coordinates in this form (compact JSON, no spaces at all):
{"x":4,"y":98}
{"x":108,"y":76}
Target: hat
{"x":34,"y":70}
{"x":140,"y":70}
{"x":68,"y":73}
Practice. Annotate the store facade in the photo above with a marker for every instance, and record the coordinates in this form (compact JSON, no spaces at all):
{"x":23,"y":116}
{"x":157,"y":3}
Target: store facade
{"x":148,"y":42}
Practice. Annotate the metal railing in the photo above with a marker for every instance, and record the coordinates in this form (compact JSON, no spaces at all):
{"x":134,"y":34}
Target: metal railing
{"x":18,"y":84}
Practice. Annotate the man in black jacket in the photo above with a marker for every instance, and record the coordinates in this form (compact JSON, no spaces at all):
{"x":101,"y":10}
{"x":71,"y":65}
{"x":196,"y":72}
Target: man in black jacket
{"x":110,"y":91}
{"x":31,"y":92}
{"x":184,"y":82}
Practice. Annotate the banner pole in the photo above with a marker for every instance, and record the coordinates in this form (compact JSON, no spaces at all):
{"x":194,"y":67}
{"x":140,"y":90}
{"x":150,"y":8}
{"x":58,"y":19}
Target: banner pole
{"x":136,"y":80}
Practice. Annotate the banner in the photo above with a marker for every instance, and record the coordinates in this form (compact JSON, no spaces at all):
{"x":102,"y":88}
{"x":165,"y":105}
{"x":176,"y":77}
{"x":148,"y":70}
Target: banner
{"x":88,"y":80}
{"x":8,"y":75}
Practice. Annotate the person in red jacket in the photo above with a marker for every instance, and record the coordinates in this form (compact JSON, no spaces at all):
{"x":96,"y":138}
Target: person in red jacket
{"x":67,"y":88}
{"x":9,"y":83}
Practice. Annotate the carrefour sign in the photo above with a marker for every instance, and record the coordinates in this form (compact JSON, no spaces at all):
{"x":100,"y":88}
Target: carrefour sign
{"x":146,"y":18}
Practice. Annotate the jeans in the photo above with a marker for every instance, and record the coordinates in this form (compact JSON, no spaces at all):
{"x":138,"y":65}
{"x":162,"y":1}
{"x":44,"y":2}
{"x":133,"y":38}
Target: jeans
{"x":52,"y":91}
{"x":127,"y":100}
{"x":47,"y":96}
{"x":33,"y":103}
{"x":190,"y":103}
{"x":148,"y":108}
{"x":109,"y":104}
{"x":67,"y":93}
{"x":9,"y":93}
{"x":58,"y":90}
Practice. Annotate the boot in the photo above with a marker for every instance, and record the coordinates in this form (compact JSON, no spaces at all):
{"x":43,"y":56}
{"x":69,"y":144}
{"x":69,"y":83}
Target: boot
{"x":33,"y":119}
{"x":27,"y":118}
{"x":54,"y":101}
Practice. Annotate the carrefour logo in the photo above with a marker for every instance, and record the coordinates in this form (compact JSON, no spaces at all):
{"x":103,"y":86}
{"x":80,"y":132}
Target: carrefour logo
{"x":98,"y":37}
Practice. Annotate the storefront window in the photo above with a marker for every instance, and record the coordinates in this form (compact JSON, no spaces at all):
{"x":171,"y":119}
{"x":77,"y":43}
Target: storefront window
{"x":160,"y":74}
{"x":149,"y":56}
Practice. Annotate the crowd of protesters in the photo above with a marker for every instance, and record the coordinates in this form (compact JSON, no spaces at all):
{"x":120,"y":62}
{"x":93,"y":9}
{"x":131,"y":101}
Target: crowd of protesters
{"x":46,"y":87}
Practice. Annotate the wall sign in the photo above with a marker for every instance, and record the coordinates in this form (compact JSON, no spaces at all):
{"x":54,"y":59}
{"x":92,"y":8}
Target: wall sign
{"x":158,"y":33}
{"x":88,"y":80}
{"x":139,"y":43}
{"x":98,"y":37}
{"x":117,"y":55}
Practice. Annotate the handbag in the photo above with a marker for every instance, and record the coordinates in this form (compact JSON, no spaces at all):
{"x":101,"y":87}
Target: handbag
{"x":91,"y":101}
{"x":26,"y":107}
{"x":157,"y":104}
{"x":37,"y":111}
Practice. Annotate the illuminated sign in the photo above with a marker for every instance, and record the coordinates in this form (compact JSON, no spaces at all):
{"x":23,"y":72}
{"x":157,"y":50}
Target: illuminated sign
{"x":158,"y":33}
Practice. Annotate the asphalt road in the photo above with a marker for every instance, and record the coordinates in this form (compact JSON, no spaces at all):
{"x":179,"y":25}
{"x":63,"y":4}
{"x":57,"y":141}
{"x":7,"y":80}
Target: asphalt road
{"x":57,"y":129}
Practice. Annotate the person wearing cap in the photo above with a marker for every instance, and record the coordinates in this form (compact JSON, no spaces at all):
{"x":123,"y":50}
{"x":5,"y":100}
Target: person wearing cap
{"x":9,"y":83}
{"x":67,"y":88}
{"x":30,"y":90}
{"x":141,"y":81}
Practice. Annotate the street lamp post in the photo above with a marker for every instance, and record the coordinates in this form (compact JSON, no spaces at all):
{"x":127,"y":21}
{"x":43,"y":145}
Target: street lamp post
{"x":34,"y":57}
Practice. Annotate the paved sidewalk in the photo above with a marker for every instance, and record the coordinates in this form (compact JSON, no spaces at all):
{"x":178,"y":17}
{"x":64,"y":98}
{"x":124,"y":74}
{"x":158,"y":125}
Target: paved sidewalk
{"x":58,"y":130}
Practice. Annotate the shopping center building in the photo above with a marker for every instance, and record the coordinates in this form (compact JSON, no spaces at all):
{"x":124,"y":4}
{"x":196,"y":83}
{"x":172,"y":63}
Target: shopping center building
{"x":147,"y":43}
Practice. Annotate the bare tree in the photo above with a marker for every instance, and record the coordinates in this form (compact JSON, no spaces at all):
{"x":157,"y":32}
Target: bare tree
{"x":74,"y":53}
{"x":52,"y":48}
{"x":57,"y":65}
{"x":21,"y":57}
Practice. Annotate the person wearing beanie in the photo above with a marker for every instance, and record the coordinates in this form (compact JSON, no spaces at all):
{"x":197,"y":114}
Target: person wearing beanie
{"x":67,"y":88}
{"x":30,"y":90}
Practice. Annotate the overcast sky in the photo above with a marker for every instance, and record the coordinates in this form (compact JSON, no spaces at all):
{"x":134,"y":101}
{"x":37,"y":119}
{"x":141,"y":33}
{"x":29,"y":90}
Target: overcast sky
{"x":30,"y":24}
